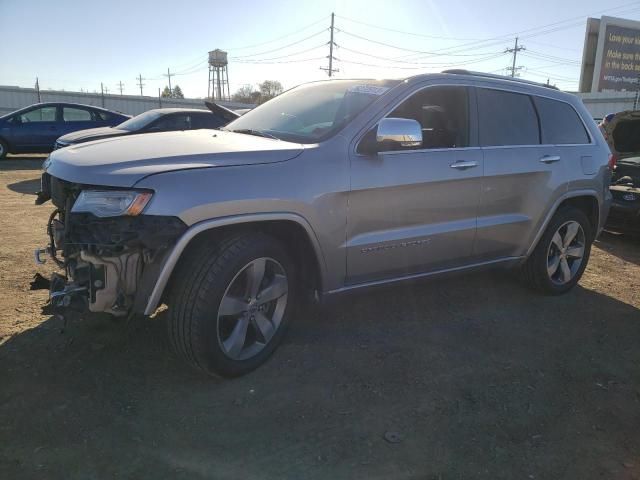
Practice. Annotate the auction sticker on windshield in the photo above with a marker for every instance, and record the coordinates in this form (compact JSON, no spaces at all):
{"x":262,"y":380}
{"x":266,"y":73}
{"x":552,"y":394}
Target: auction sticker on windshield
{"x":368,"y":89}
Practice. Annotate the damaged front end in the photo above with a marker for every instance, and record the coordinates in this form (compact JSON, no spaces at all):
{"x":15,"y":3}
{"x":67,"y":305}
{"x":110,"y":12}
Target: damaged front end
{"x":110,"y":252}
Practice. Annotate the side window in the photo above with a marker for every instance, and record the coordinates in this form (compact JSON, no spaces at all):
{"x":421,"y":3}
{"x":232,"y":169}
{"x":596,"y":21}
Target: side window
{"x":70,"y":114}
{"x":100,"y":116}
{"x":559,"y":122}
{"x":443,"y":114}
{"x":173,"y":122}
{"x":207,"y":120}
{"x":44,"y":114}
{"x":506,"y":118}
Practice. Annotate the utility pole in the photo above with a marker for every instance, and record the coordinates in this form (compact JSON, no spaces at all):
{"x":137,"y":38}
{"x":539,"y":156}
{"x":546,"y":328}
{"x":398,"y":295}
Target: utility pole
{"x":330,"y":70}
{"x":38,"y":89}
{"x":159,"y":98}
{"x":169,"y":76}
{"x":515,"y":51}
{"x":121,"y":86}
{"x":102,"y":93}
{"x":140,"y":84}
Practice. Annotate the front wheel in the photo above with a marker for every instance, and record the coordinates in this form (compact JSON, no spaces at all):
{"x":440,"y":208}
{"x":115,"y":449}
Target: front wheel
{"x":230,"y":304}
{"x":4,"y":149}
{"x":560,"y":258}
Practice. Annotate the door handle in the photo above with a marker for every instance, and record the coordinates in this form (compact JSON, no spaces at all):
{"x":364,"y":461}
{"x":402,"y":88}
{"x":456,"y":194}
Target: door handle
{"x":462,"y":165}
{"x":550,"y":159}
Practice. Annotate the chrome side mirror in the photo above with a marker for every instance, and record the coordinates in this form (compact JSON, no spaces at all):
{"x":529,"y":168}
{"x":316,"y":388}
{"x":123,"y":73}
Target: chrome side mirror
{"x":398,"y":132}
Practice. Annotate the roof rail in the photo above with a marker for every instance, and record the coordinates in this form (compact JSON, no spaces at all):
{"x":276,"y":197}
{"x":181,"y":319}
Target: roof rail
{"x":461,"y":71}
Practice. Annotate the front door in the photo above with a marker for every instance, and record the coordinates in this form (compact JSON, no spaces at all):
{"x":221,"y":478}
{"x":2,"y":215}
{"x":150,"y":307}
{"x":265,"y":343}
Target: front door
{"x":414,"y":211}
{"x":35,"y":130}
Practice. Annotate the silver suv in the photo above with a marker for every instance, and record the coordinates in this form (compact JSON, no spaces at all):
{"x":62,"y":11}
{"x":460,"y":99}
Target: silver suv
{"x":330,"y":187}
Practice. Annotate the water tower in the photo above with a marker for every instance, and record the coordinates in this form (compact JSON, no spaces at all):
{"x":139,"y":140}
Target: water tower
{"x":218,"y":76}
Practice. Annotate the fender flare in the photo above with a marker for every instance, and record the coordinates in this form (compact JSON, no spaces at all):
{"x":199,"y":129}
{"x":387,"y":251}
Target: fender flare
{"x":554,"y":209}
{"x":172,"y":259}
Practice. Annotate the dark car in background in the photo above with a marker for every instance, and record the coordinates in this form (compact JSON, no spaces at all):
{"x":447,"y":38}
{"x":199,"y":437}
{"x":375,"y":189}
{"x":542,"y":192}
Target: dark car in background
{"x":622,"y":132}
{"x":34,"y":129}
{"x":157,"y":120}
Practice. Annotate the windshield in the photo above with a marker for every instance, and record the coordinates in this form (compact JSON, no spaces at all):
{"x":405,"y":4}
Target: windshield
{"x":312,"y":112}
{"x":140,"y":121}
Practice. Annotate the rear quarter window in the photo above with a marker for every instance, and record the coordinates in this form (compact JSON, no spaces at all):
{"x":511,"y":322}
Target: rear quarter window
{"x":559,"y":123}
{"x":506,"y":118}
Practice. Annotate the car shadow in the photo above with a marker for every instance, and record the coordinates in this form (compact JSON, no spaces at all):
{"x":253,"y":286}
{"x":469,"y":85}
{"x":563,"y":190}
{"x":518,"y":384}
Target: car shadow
{"x":30,"y":187}
{"x":470,"y":374}
{"x":17,"y":162}
{"x":624,"y":246}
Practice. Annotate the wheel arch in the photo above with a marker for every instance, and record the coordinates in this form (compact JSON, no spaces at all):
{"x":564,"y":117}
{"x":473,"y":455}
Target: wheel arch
{"x":6,"y":142}
{"x":290,"y":228}
{"x":585,"y":200}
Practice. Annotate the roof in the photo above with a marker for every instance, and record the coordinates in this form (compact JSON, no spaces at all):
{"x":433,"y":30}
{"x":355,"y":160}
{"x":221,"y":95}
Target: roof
{"x":66,"y":104}
{"x":459,"y":71}
{"x":179,"y":110}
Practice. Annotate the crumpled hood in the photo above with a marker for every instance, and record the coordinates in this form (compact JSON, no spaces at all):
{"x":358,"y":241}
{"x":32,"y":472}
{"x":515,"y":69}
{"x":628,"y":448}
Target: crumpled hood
{"x":92,"y":134}
{"x":123,"y":161}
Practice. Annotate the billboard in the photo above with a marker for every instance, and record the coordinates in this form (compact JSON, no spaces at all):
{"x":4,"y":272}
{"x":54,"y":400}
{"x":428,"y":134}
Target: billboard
{"x":611,"y":56}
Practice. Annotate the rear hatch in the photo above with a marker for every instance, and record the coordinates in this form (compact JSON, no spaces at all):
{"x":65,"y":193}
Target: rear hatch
{"x":622,"y":132}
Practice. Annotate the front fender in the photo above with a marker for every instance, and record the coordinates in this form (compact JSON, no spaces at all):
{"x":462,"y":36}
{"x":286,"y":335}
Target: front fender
{"x":172,"y":258}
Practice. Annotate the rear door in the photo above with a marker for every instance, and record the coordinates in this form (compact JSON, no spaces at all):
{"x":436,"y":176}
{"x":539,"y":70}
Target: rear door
{"x":522,"y":176}
{"x":77,"y":118}
{"x":36,"y":129}
{"x":414,"y":211}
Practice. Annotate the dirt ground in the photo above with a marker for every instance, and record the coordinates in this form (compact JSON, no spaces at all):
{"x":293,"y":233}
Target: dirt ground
{"x":466,"y":377}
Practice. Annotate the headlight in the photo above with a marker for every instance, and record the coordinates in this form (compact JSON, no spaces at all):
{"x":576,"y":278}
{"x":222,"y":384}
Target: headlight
{"x":111,"y":203}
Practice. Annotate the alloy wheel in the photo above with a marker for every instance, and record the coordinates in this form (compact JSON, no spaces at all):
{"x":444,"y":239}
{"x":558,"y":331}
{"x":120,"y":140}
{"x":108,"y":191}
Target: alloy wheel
{"x":566,"y":252}
{"x":252,"y":308}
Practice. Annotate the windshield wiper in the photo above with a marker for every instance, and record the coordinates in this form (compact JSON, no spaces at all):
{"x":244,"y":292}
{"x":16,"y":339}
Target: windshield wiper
{"x":257,"y":133}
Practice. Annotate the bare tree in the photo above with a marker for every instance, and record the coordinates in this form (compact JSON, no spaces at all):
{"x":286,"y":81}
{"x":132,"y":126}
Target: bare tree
{"x":245,"y":94}
{"x":270,"y":89}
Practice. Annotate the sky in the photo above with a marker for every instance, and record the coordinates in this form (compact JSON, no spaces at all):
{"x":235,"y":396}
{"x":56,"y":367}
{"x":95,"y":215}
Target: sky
{"x":73,"y":45}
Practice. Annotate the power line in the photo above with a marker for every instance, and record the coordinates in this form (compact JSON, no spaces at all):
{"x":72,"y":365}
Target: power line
{"x":544,"y":30}
{"x":408,"y":61}
{"x":405,"y":32}
{"x":283,"y":47}
{"x":422,"y":67}
{"x":551,"y":58}
{"x":258,"y":62}
{"x":281,"y":37}
{"x":290,"y":54}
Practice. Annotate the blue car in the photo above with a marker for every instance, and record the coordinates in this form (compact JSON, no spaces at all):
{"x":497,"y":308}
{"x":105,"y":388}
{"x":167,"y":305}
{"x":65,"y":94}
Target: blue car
{"x":34,"y":129}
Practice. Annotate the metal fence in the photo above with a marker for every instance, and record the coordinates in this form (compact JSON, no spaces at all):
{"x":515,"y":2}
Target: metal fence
{"x":13,"y":98}
{"x":603,"y":103}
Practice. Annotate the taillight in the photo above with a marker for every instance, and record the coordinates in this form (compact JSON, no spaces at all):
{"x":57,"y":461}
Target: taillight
{"x":613,"y":159}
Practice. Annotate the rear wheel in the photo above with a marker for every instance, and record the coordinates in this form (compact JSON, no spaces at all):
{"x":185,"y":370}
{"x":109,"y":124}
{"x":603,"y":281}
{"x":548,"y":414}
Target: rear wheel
{"x":4,"y":149}
{"x":560,"y":258}
{"x":231,"y":303}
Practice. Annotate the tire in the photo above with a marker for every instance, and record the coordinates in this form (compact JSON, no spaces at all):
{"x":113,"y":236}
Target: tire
{"x":541,"y":271}
{"x":201,"y":332}
{"x":4,"y":149}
